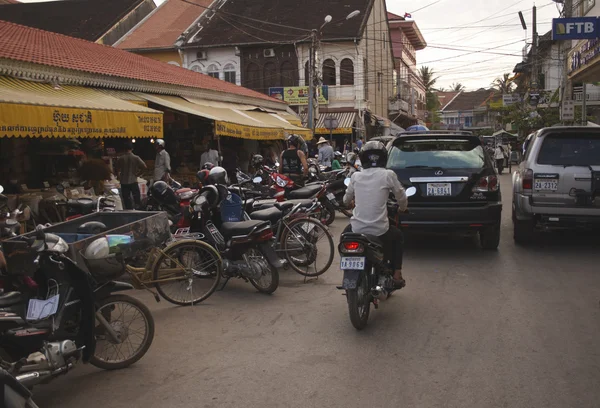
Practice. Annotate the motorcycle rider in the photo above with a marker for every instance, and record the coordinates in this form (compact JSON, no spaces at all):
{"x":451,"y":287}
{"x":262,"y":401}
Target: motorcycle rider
{"x":369,"y":190}
{"x":292,"y":162}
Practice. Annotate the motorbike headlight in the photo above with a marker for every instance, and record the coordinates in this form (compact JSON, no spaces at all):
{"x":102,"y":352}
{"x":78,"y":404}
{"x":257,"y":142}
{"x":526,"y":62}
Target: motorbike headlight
{"x":281,"y":182}
{"x":312,"y":170}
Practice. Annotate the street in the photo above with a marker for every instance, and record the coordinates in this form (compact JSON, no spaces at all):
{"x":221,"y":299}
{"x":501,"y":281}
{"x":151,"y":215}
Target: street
{"x":512,"y":328}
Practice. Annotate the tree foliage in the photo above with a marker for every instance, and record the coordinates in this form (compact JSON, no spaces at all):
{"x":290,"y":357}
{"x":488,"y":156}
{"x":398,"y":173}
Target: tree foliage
{"x":457,"y":87}
{"x":503,"y":84}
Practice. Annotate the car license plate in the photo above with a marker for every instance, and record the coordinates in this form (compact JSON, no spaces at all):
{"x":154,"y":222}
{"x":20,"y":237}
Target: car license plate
{"x":545,"y":184}
{"x":353,"y":262}
{"x":331,"y":196}
{"x":439,"y":189}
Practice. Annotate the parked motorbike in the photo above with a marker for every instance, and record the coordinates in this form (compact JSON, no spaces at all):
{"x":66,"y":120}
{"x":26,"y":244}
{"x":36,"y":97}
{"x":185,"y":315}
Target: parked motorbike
{"x":245,"y":246}
{"x":173,"y":199}
{"x":71,"y":315}
{"x":13,"y":221}
{"x":367,"y":275}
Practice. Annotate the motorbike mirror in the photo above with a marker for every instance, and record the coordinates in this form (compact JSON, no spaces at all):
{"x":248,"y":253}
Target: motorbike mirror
{"x":257,"y":180}
{"x":9,"y":222}
{"x":114,"y":191}
{"x":276,"y":164}
{"x":60,"y":188}
{"x":411,"y":191}
{"x":347,"y":181}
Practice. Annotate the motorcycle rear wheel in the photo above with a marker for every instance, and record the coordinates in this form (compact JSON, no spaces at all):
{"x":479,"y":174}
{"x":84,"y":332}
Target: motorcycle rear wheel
{"x":107,"y":306}
{"x":269,"y":285}
{"x":327,"y":213}
{"x":359,"y":303}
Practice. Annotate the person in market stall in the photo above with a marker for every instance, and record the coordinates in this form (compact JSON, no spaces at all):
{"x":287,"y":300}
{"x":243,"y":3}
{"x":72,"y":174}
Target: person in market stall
{"x":210,"y":155}
{"x":130,"y":167}
{"x":162,"y":163}
{"x":292,"y":162}
{"x":325,"y":153}
{"x":230,"y":163}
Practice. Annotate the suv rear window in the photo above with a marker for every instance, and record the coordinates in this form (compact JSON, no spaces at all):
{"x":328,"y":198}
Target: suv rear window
{"x":445,"y":153}
{"x":570,"y":149}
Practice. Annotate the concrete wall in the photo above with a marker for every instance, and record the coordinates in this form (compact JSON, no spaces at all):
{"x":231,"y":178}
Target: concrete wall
{"x":171,"y":57}
{"x":217,"y":58}
{"x":552,"y":68}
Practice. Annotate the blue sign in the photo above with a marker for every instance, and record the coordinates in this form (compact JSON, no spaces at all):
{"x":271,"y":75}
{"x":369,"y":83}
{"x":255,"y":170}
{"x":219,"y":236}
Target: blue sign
{"x":578,"y":28}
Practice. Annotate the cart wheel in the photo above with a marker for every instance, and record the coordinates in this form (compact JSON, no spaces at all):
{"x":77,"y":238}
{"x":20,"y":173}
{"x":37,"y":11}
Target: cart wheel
{"x":187,"y":272}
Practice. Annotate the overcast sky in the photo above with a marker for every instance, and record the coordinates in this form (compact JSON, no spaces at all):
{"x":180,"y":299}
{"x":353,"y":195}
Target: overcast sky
{"x":486,"y":34}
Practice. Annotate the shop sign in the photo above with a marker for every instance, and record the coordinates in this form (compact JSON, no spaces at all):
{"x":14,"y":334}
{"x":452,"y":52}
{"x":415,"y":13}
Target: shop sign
{"x":567,"y":111}
{"x":19,"y":120}
{"x":577,"y":28}
{"x":337,"y":131}
{"x":583,"y":55}
{"x":247,"y":132}
{"x":298,"y":95}
{"x":510,"y":99}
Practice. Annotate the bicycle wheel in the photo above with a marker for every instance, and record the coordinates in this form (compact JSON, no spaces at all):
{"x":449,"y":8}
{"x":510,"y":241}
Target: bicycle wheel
{"x":133,"y":323}
{"x":308,"y":246}
{"x":187,"y":272}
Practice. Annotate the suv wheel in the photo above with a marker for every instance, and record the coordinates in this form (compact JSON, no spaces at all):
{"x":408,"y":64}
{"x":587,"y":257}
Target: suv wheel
{"x":489,"y":237}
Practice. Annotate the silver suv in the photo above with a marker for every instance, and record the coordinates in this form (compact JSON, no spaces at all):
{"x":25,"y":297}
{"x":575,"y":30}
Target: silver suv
{"x":557,"y":185}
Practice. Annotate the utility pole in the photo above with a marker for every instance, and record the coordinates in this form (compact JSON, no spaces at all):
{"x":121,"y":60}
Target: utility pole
{"x":565,"y":47}
{"x":534,"y":51}
{"x":311,"y":81}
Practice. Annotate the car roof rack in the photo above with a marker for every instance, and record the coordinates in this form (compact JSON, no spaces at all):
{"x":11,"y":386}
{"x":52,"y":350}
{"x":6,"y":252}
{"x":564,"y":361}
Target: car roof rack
{"x":435,"y":132}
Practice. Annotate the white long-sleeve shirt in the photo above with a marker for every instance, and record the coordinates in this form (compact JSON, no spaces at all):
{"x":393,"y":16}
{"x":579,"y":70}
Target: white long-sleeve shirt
{"x":370,"y":190}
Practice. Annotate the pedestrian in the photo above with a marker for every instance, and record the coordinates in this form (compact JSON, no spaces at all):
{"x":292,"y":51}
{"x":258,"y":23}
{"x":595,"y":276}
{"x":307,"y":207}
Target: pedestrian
{"x":162,"y":163}
{"x":347,"y":147}
{"x":335,"y":164}
{"x":292,"y":162}
{"x":359,"y":143}
{"x":325,"y":153}
{"x":499,"y":156}
{"x":210,"y":155}
{"x":130,"y":168}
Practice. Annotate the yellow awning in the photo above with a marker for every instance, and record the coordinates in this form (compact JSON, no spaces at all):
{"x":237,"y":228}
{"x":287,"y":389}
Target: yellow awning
{"x":276,"y":120}
{"x":293,"y":119}
{"x":33,"y":109}
{"x":228,"y":122}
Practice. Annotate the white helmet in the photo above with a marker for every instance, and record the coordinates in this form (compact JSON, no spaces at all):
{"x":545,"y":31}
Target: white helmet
{"x":160,"y":142}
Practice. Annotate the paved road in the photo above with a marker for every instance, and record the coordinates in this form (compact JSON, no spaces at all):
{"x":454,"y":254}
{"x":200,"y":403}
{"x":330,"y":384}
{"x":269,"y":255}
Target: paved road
{"x":516,"y":328}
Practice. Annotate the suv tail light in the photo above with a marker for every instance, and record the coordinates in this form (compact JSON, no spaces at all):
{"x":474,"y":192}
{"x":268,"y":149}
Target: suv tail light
{"x":486,"y":184}
{"x":527,"y":179}
{"x":351,"y":247}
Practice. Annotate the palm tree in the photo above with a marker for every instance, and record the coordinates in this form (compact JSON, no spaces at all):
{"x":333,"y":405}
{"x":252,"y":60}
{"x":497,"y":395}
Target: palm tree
{"x":428,"y":78}
{"x":457,"y":87}
{"x":503,"y":84}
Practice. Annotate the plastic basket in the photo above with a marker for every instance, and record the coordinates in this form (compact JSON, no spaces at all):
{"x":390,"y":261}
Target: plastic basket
{"x":232,"y":209}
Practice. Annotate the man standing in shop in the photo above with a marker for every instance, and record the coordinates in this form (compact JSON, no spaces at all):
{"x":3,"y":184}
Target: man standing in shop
{"x":162,"y":163}
{"x":130,"y":167}
{"x":210,"y":155}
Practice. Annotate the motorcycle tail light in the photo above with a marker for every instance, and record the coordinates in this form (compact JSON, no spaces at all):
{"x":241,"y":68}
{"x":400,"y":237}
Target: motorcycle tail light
{"x":265,"y":235}
{"x":351,"y":247}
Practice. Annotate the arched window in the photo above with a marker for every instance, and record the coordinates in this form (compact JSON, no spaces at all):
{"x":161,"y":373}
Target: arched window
{"x":306,"y":75}
{"x":253,"y":80}
{"x":213,"y":71}
{"x":270,"y":76}
{"x":288,"y":74}
{"x":229,"y":72}
{"x":196,"y":68}
{"x":329,"y":72}
{"x":346,"y":72}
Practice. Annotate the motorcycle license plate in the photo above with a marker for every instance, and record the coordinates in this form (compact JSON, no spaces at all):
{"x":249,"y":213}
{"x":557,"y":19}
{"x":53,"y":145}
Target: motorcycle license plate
{"x":331,"y":196}
{"x":356,"y":263}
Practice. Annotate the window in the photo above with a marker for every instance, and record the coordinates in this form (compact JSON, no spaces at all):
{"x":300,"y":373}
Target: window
{"x":570,"y":149}
{"x":288,"y":74}
{"x":229,"y":72}
{"x":253,"y":77}
{"x":448,"y":154}
{"x":468,"y":121}
{"x":270,"y":76}
{"x":379,"y":81}
{"x":347,"y":72}
{"x":196,"y":68}
{"x":329,"y":72}
{"x":213,"y":71}
{"x":306,"y":74}
{"x":366,"y":78}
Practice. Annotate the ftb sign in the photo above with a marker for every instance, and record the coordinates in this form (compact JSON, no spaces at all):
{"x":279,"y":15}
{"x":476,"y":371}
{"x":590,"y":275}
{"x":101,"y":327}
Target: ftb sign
{"x":579,"y":28}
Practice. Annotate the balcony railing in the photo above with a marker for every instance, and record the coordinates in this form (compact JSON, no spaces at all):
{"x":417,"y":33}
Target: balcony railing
{"x":342,"y":92}
{"x":593,"y":95}
{"x":398,"y":105}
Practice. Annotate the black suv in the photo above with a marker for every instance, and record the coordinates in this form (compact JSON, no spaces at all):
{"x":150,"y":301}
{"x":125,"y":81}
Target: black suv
{"x":457,"y":185}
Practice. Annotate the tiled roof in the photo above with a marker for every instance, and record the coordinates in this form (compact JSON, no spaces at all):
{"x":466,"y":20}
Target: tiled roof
{"x":445,"y":97}
{"x":392,"y":16}
{"x":55,"y":50}
{"x":8,"y":1}
{"x":470,"y":100}
{"x":86,"y":19}
{"x":225,"y":28}
{"x":162,"y":28}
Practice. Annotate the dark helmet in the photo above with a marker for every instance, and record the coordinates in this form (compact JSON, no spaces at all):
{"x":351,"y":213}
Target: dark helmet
{"x":202,"y":176}
{"x":208,"y":166}
{"x":159,"y":188}
{"x":218,"y":175}
{"x":163,"y":193}
{"x":294,"y":141}
{"x":373,"y":154}
{"x":257,"y":160}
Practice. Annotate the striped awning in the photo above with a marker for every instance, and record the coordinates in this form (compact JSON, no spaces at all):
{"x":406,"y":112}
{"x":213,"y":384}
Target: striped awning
{"x":346,"y":121}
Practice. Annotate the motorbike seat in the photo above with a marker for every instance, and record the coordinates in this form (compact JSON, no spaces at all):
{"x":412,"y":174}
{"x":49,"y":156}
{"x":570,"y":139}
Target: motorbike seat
{"x":288,"y":205}
{"x":10,"y":298}
{"x":305,"y":192}
{"x":270,"y":214}
{"x":234,"y":229}
{"x":82,"y":205}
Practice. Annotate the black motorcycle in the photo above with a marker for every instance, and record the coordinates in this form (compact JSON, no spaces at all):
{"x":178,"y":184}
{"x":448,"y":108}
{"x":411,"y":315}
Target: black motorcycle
{"x":70,"y":315}
{"x":13,"y":394}
{"x":245,"y":246}
{"x":367,"y":275}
